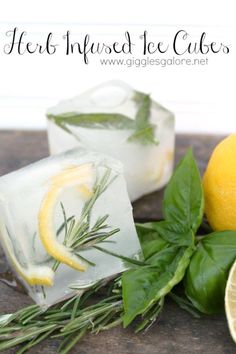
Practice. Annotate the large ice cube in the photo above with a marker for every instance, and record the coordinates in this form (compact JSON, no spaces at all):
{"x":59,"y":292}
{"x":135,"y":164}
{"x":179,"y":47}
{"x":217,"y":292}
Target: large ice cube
{"x":115,"y":119}
{"x":81,"y":209}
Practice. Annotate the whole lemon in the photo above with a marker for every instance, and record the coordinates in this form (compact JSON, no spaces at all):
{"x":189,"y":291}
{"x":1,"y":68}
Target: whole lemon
{"x":219,"y":183}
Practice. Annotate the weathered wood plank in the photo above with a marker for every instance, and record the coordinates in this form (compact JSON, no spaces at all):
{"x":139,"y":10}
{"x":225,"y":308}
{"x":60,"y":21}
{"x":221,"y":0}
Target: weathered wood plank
{"x":175,"y":331}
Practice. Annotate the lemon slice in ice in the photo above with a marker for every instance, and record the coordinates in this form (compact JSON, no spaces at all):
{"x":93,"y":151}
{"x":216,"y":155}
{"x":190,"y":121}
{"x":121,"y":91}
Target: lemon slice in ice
{"x":81,"y":177}
{"x":230,"y":301}
{"x":36,"y":275}
{"x":33,"y":274}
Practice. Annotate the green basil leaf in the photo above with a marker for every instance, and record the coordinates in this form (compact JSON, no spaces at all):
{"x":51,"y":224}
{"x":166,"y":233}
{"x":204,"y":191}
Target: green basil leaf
{"x":183,"y":197}
{"x":207,"y":274}
{"x":163,"y":257}
{"x":150,"y":241}
{"x":144,"y":131}
{"x":143,"y":113}
{"x":144,"y":286}
{"x":144,"y":136}
{"x":60,"y":122}
{"x":173,"y":232}
{"x":138,"y":96}
{"x":94,"y":120}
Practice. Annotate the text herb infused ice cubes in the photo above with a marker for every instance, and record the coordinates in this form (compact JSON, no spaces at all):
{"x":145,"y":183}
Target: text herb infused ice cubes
{"x":63,"y":220}
{"x":128,"y":125}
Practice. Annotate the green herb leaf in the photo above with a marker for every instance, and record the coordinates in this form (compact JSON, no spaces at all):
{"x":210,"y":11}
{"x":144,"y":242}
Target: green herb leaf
{"x":150,"y":241}
{"x":167,"y":245}
{"x":144,"y":136}
{"x":144,"y":131}
{"x":79,"y":235}
{"x":5,"y":319}
{"x":143,"y":287}
{"x":138,"y":97}
{"x":208,"y":271}
{"x":93,"y":120}
{"x":183,"y":198}
{"x":173,"y":232}
{"x":143,"y":113}
{"x":31,"y":325}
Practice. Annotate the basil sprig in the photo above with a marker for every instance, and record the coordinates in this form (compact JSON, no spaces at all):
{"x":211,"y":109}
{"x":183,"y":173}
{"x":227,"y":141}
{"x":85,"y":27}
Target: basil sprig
{"x":144,"y":132}
{"x":93,"y":120}
{"x":167,"y":245}
{"x":173,"y":252}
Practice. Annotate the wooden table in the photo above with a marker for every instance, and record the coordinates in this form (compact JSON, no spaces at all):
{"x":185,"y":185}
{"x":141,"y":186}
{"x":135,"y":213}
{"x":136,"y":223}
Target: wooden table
{"x":175,"y":331}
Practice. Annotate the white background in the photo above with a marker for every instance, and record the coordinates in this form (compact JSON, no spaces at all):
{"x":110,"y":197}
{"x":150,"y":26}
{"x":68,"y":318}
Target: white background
{"x":202,"y":97}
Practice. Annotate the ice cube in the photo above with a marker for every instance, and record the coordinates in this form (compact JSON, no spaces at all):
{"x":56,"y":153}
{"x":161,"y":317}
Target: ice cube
{"x":115,"y":119}
{"x":65,"y":206}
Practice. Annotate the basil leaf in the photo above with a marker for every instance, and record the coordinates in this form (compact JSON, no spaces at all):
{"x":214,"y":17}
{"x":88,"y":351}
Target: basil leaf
{"x":143,"y":287}
{"x":144,"y":131}
{"x":94,"y":120}
{"x":173,"y":232}
{"x":208,"y":271}
{"x":144,"y":136}
{"x":183,"y":197}
{"x":150,"y":241}
{"x":138,"y":96}
{"x":163,"y":257}
{"x":143,"y":113}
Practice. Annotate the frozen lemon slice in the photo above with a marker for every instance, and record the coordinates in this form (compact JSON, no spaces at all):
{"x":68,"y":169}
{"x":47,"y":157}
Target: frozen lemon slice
{"x":230,"y":301}
{"x":82,"y":177}
{"x":36,"y":275}
{"x":33,"y":275}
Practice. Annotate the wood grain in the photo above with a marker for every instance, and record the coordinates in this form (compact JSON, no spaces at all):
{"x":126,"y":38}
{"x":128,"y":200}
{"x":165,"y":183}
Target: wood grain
{"x":175,"y":331}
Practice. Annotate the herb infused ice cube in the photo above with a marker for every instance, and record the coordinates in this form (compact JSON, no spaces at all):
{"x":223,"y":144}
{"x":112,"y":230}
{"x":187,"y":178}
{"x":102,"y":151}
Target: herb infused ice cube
{"x":115,"y":119}
{"x":63,"y":222}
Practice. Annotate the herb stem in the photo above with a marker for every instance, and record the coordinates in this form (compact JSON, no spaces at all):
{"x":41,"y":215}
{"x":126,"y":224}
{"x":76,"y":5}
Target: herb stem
{"x":127,"y":259}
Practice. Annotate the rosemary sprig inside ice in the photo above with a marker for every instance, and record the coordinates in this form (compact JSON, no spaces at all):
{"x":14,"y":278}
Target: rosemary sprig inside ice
{"x":77,"y":225}
{"x":79,"y":235}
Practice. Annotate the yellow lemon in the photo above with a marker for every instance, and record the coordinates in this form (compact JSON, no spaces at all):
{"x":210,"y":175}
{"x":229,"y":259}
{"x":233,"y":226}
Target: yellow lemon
{"x":219,"y":183}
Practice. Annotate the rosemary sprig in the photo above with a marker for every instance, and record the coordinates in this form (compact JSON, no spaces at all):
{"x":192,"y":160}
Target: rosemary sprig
{"x":70,"y":320}
{"x":78,"y":234}
{"x":150,"y":316}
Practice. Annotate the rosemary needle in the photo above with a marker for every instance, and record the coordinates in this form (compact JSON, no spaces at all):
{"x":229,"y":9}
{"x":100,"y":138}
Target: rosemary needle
{"x":79,"y":235}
